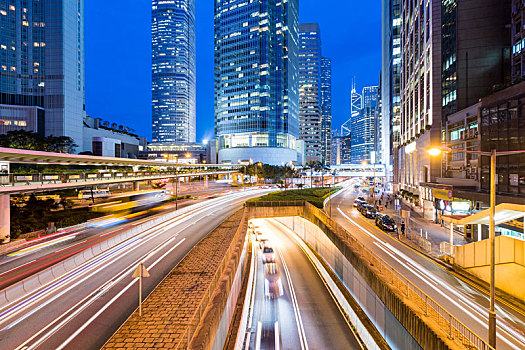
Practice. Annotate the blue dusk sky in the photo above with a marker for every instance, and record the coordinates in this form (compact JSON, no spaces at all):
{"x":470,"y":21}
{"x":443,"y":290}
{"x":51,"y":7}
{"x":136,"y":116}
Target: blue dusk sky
{"x":118,"y":57}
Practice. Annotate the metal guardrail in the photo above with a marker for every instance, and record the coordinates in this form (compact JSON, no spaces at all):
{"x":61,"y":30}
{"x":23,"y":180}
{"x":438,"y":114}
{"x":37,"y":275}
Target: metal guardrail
{"x":415,"y":297}
{"x":47,"y":179}
{"x":455,"y":329}
{"x":274,"y":204}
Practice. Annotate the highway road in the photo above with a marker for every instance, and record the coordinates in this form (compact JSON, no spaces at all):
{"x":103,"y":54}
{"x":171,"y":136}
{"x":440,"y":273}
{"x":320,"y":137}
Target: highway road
{"x":292,"y":307}
{"x":456,"y":295}
{"x":37,"y":254}
{"x":82,"y":309}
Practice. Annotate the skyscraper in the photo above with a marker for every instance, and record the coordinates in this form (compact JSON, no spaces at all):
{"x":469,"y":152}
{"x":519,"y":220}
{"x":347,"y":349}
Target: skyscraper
{"x":363,"y":130}
{"x":356,"y":104}
{"x":518,"y":41}
{"x":256,"y":80}
{"x":310,"y":121}
{"x":42,"y":67}
{"x":173,"y":71}
{"x":390,"y":83}
{"x":326,"y":107}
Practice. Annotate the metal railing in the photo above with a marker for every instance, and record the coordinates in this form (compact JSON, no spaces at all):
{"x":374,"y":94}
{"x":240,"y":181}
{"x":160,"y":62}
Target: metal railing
{"x":274,"y":204}
{"x":415,"y":297}
{"x":48,"y":179}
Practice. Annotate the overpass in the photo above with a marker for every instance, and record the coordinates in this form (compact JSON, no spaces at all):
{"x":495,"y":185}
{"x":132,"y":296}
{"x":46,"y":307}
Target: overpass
{"x":348,"y":170}
{"x":116,"y":170}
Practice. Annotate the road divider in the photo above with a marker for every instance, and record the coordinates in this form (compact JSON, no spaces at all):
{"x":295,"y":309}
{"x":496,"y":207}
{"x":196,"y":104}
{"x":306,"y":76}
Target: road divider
{"x":76,"y":259}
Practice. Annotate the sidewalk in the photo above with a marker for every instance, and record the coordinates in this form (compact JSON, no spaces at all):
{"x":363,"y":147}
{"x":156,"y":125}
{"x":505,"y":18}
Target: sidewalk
{"x":423,"y":233}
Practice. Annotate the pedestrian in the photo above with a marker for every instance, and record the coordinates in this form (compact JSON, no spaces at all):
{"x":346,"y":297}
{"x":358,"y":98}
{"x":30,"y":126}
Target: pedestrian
{"x":403,"y":228}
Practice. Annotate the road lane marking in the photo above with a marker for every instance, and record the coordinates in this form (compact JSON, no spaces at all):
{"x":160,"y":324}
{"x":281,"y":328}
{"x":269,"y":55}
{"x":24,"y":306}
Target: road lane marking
{"x":177,"y":221}
{"x":295,"y":304}
{"x":503,"y":327}
{"x":48,"y":288}
{"x":305,"y":249}
{"x":85,"y":303}
{"x":277,"y":336}
{"x":258,"y":336}
{"x":124,"y":290}
{"x":19,"y":266}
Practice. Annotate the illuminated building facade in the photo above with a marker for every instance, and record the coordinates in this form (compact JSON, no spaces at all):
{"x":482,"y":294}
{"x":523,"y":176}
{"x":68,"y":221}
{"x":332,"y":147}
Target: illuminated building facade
{"x":310,"y":121}
{"x":256,"y":80}
{"x":173,"y":71}
{"x":42,"y":67}
{"x":326,"y":108}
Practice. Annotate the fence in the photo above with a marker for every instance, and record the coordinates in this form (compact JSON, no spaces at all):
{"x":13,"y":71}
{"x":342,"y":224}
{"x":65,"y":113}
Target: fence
{"x":454,"y":328}
{"x":47,"y":179}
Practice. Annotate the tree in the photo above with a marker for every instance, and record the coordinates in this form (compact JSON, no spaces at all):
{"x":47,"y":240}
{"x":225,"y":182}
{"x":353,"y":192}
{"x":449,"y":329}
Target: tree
{"x":22,"y":139}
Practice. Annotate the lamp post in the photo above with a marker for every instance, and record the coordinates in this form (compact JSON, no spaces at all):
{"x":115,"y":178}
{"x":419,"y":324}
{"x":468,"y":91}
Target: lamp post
{"x":436,"y":151}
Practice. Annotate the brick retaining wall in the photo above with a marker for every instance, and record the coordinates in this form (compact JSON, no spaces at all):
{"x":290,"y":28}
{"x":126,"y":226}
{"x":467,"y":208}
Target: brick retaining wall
{"x":184,"y":305}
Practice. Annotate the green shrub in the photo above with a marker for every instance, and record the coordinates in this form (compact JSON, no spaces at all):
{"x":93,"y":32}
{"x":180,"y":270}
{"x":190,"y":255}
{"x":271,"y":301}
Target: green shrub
{"x":315,"y":196}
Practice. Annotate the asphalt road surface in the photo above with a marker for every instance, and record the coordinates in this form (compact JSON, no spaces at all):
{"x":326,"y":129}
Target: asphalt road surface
{"x":35,"y":255}
{"x":457,"y":296}
{"x":82,"y":309}
{"x":292,"y":307}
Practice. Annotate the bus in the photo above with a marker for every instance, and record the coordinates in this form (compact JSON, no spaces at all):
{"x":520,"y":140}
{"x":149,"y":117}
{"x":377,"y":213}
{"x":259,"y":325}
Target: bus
{"x":132,"y":201}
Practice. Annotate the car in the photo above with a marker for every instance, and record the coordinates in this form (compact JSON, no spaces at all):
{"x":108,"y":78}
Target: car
{"x":361,"y":198}
{"x":268,"y":255}
{"x":273,"y":287}
{"x":357,"y":201}
{"x":368,"y":211}
{"x":385,"y":223}
{"x":360,"y":204}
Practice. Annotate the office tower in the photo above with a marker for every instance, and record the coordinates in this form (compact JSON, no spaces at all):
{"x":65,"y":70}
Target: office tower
{"x":518,"y":40}
{"x":42,"y":67}
{"x":256,"y":80}
{"x":363,"y":129}
{"x":326,"y":107}
{"x":310,"y":122}
{"x":378,"y":128}
{"x":356,"y":104}
{"x":475,"y":51}
{"x":390,"y":84}
{"x":346,"y":149}
{"x":453,"y":53}
{"x":173,"y":71}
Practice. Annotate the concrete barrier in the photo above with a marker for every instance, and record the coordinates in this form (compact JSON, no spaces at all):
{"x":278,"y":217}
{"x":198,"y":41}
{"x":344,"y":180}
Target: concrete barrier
{"x":42,"y":278}
{"x":406,"y":317}
{"x":370,"y":338}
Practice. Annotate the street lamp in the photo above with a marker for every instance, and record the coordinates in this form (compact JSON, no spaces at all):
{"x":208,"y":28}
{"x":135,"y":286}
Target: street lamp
{"x":436,"y":151}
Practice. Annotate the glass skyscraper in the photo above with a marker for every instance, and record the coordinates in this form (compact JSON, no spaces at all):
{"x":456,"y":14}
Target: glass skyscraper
{"x":310,"y":122}
{"x":256,"y":80}
{"x":363,"y":127}
{"x":390,"y":84}
{"x":173,"y":71}
{"x":326,"y":107}
{"x":42,"y":67}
